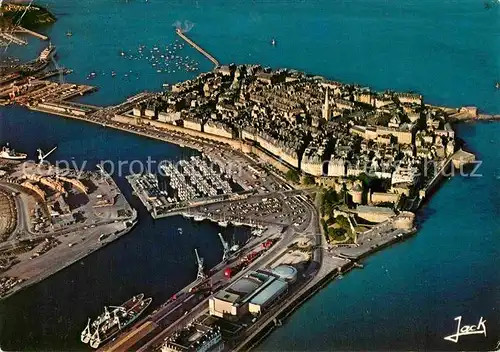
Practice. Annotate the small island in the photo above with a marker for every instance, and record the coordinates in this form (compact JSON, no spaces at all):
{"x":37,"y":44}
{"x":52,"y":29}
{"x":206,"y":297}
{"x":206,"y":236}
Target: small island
{"x":35,"y":17}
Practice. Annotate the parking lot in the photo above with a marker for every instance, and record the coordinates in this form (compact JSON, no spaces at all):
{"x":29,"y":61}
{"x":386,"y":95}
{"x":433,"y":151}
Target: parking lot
{"x":274,"y":208}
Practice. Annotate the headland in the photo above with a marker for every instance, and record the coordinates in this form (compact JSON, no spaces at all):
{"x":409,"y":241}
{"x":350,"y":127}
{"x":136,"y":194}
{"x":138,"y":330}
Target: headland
{"x":333,"y":172}
{"x":24,"y":15}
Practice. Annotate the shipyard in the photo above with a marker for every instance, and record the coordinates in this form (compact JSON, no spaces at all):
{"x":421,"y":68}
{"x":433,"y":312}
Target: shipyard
{"x":324,"y":172}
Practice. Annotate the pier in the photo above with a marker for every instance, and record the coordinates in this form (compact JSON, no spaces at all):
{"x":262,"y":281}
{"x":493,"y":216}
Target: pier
{"x":487,"y":117}
{"x":10,"y":38}
{"x":197,"y":47}
{"x":34,"y":34}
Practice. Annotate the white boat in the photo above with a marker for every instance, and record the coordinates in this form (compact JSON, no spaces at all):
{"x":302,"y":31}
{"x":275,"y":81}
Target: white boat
{"x":7,"y":153}
{"x":85,"y":336}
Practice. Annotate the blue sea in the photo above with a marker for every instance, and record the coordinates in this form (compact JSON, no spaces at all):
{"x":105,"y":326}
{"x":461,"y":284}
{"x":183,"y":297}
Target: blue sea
{"x":407,"y":296}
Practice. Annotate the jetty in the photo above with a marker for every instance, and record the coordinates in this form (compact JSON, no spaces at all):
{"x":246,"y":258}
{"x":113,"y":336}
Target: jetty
{"x":181,"y":34}
{"x":10,"y":38}
{"x":34,"y":34}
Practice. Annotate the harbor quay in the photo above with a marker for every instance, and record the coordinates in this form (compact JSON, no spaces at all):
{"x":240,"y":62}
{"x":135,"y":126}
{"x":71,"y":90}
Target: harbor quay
{"x":325,"y":172}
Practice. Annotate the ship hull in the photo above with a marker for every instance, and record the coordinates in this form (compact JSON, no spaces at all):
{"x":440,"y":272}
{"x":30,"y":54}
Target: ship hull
{"x":17,"y":157}
{"x":11,"y":155}
{"x":136,"y":310}
{"x":127,"y":306}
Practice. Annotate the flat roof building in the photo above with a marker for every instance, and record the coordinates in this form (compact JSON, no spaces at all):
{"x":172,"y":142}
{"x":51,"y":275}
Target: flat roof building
{"x":194,"y":338}
{"x":373,"y":213}
{"x":234,"y":300}
{"x":267,"y":296}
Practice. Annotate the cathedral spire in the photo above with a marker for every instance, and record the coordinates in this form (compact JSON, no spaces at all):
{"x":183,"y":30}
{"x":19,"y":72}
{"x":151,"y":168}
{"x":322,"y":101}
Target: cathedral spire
{"x":326,"y":106}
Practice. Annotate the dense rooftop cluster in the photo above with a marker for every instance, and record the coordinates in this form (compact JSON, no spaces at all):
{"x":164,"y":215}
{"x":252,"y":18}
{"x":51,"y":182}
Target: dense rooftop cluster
{"x":322,"y":127}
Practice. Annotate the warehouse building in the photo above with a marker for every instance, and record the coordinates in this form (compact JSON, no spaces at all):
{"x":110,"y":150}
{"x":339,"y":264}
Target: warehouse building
{"x":259,"y":287}
{"x":267,"y":296}
{"x":194,"y":338}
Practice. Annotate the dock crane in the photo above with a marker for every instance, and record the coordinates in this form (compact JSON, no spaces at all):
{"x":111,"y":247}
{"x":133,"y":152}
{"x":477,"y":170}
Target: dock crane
{"x":201,"y":270}
{"x":225,"y":246}
{"x":42,"y":155}
{"x":103,"y":172}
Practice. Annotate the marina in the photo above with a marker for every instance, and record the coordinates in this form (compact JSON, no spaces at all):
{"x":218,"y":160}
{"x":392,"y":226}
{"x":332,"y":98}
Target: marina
{"x":186,"y":182}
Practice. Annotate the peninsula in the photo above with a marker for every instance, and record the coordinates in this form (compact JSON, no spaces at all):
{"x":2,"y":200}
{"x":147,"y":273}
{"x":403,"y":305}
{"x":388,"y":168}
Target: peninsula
{"x":330,"y":172}
{"x":34,"y":17}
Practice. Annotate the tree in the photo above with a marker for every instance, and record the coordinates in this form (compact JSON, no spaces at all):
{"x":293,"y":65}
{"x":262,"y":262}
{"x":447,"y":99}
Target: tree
{"x":330,"y":200}
{"x":308,"y":180}
{"x":293,"y":176}
{"x":343,"y":222}
{"x":367,"y":180}
{"x":337,"y":234}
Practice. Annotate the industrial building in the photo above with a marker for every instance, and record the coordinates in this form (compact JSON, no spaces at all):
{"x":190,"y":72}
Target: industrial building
{"x":249,"y":294}
{"x":267,"y":296}
{"x":194,"y":338}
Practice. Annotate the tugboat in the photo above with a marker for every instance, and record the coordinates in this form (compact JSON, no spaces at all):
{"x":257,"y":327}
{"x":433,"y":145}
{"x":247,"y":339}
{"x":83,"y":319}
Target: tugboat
{"x":110,"y":323}
{"x":7,"y":153}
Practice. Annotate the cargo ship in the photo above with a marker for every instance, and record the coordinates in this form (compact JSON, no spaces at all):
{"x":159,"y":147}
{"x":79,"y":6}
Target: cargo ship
{"x":7,"y":153}
{"x":113,"y":320}
{"x":47,"y":53}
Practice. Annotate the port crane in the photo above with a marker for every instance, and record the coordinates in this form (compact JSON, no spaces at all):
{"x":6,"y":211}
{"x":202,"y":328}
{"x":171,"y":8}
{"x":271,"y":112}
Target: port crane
{"x":225,"y":246}
{"x":42,"y":156}
{"x":101,"y":170}
{"x":201,"y":269}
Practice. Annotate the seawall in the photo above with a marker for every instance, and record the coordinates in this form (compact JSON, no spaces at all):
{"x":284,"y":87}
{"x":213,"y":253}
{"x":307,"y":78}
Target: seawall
{"x":294,"y":304}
